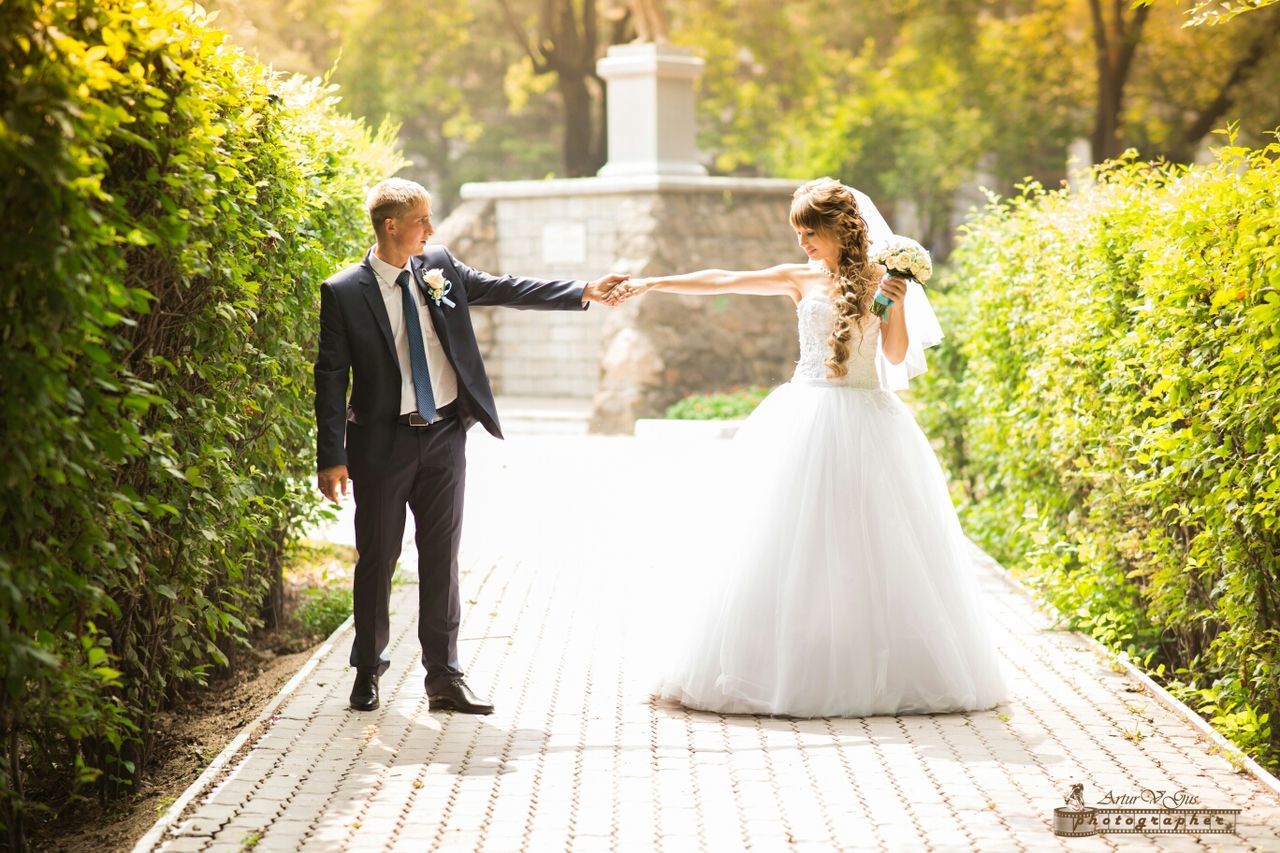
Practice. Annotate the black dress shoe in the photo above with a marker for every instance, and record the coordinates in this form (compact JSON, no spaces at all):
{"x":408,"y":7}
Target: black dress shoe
{"x":457,"y":696}
{"x":364,"y":694}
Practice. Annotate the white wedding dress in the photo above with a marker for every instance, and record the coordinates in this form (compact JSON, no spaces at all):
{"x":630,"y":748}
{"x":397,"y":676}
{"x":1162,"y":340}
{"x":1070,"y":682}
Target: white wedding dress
{"x":838,"y":582}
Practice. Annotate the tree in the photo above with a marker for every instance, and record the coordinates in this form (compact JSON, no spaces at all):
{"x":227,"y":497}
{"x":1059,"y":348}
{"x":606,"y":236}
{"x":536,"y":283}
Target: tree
{"x":1209,"y":116}
{"x":763,"y":73}
{"x":958,"y":88}
{"x":417,"y":76}
{"x":909,"y":101}
{"x":302,"y":36}
{"x":1028,"y":73}
{"x":452,"y":81}
{"x":1234,"y":80}
{"x":568,"y":43}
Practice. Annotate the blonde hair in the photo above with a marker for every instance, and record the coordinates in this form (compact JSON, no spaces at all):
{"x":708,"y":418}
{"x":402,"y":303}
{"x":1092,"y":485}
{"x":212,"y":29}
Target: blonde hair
{"x":829,"y":208}
{"x":393,"y":198}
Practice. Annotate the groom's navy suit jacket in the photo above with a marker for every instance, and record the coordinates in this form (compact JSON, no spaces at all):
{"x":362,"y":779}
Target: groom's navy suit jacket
{"x":356,"y":342}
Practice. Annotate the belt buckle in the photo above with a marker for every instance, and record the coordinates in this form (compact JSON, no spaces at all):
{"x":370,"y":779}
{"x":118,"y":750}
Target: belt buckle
{"x":417,"y":420}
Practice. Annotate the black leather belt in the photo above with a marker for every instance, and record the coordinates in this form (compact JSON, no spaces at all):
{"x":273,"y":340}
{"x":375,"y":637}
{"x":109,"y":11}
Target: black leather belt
{"x":413,"y":419}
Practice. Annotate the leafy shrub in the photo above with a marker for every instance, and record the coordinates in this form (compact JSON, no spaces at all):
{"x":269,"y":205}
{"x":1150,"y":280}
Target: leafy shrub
{"x":169,"y":209}
{"x":1106,"y":407}
{"x":324,"y":608}
{"x":736,"y":403}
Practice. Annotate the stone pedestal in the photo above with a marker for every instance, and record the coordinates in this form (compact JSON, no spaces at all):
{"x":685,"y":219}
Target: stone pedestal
{"x":651,"y":120}
{"x":651,"y":211}
{"x":631,"y":361}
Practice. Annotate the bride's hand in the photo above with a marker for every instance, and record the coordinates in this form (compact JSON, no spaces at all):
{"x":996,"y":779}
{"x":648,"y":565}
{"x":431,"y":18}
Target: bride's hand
{"x":895,"y":288}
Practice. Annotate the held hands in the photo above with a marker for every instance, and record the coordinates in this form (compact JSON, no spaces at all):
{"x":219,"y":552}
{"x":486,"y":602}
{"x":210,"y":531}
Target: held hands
{"x":330,"y":480}
{"x":601,"y":289}
{"x":615,"y":289}
{"x":627,"y":290}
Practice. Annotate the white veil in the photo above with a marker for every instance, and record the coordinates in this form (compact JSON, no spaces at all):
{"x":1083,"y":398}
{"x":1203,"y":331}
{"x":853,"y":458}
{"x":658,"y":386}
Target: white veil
{"x":923,"y":330}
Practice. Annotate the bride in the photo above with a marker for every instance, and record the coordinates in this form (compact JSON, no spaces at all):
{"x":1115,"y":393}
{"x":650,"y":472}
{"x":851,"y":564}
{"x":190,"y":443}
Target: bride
{"x":845,"y":589}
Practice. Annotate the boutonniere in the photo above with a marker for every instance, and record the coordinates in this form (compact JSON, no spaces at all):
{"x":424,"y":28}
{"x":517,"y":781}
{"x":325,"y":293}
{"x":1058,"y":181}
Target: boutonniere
{"x":438,"y":286}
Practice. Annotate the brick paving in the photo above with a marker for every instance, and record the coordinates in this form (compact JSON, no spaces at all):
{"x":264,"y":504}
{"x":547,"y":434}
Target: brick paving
{"x":558,"y":625}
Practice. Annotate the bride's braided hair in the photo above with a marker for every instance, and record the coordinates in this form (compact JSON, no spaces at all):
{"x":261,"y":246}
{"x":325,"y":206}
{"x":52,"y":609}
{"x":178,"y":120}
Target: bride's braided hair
{"x":829,"y":208}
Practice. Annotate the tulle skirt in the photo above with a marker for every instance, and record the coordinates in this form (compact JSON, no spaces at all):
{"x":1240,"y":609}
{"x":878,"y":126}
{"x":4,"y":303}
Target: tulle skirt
{"x":832,"y":577}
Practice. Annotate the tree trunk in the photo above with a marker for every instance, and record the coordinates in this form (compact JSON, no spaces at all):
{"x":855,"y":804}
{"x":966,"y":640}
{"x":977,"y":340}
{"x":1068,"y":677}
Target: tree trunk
{"x":15,"y":821}
{"x":1115,"y":42}
{"x":600,"y":139}
{"x":579,"y":130}
{"x":1105,"y":142}
{"x":567,"y":47}
{"x":273,"y":604}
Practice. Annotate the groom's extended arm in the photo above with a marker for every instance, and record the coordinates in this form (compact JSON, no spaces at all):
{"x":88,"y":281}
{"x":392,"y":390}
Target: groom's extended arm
{"x":520,"y":292}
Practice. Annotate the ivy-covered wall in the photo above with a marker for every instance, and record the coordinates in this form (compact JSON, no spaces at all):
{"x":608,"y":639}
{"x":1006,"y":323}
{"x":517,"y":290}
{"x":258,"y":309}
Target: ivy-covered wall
{"x":1107,"y":405}
{"x":169,"y":209}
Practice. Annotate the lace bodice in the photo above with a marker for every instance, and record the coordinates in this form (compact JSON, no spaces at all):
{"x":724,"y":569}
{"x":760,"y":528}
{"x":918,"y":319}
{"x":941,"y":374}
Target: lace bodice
{"x":817,"y":318}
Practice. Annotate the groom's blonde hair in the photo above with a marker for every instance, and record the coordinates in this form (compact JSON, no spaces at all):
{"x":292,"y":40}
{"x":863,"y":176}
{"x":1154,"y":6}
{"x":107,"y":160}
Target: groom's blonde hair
{"x":392,"y":199}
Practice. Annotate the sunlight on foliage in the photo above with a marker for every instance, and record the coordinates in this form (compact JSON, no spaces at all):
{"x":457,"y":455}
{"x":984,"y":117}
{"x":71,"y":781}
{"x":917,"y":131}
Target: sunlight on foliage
{"x":175,"y":208}
{"x":1105,"y":404}
{"x":1216,"y":12}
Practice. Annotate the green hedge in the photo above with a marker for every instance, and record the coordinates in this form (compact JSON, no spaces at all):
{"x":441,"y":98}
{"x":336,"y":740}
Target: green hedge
{"x":170,"y":207}
{"x":1107,"y":406}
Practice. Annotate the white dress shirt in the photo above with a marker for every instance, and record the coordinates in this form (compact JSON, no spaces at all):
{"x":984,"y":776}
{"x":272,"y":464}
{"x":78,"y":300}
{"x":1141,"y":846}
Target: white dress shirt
{"x":444,"y":382}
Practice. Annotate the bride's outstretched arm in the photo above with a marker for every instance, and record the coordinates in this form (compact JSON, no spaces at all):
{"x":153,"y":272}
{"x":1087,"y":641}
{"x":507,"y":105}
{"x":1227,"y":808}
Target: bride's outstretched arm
{"x":775,"y":281}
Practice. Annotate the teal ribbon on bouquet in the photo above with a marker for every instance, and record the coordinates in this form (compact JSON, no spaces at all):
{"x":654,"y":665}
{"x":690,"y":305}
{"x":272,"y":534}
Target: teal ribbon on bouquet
{"x":880,"y":304}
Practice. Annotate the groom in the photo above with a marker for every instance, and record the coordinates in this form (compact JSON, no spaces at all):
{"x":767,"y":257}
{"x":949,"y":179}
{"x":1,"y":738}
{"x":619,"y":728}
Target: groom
{"x":396,"y":327}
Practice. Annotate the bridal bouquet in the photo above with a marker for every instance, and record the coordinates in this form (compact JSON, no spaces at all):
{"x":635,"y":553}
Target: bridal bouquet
{"x":901,"y":257}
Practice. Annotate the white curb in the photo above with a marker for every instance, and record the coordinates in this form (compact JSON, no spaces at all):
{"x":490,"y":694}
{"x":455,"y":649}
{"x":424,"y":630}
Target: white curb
{"x":1232,"y":752}
{"x":155,"y":836}
{"x":679,"y":429}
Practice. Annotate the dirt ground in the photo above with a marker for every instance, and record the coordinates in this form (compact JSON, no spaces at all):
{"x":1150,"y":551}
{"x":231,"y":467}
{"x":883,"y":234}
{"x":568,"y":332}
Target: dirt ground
{"x":190,"y":736}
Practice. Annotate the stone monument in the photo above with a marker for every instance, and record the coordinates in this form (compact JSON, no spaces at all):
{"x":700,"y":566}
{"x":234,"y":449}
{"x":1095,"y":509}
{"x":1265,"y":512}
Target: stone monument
{"x":651,"y":120}
{"x":652,"y":210}
{"x":648,"y":16}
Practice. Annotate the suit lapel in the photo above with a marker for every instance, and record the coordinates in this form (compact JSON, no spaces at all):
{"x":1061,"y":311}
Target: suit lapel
{"x":373,"y":295}
{"x":436,"y":311}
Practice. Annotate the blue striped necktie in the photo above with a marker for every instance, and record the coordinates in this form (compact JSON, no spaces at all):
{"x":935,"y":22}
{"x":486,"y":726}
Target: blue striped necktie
{"x":417,"y":352}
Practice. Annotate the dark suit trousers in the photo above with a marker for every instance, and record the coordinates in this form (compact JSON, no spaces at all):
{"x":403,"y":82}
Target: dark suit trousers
{"x":423,"y":468}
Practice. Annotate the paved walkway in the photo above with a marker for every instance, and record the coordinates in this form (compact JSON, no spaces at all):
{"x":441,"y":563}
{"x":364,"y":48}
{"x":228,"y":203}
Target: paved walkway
{"x":557,"y":624}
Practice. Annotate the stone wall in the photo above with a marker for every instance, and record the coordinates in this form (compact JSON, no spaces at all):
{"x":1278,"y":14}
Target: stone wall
{"x":635,"y":360}
{"x":534,"y":353}
{"x":660,"y":347}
